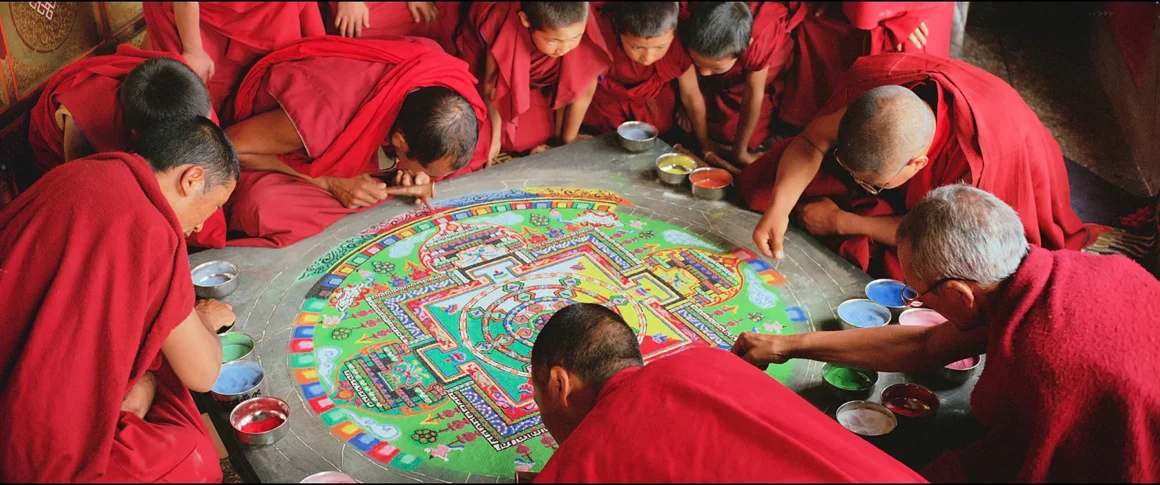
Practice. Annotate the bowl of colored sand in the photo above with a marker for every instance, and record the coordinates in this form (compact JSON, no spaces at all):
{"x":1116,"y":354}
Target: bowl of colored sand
{"x":236,"y":346}
{"x":215,"y":279}
{"x":910,"y":401}
{"x":865,"y":418}
{"x":636,"y":136}
{"x":238,"y":381}
{"x":862,"y":313}
{"x":889,"y":293}
{"x":329,"y":477}
{"x":674,"y":168}
{"x":921,"y":317}
{"x":959,"y":372}
{"x":710,"y":183}
{"x":261,"y":420}
{"x":848,"y":383}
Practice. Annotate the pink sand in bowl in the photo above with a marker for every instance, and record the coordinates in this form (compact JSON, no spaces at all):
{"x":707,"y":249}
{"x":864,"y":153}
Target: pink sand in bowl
{"x":963,"y":364}
{"x":923,"y":317}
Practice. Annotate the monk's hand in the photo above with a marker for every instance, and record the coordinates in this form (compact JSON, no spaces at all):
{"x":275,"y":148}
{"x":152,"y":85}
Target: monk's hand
{"x":351,"y":18}
{"x":821,"y":217}
{"x":423,"y":11}
{"x":200,"y":63}
{"x":404,"y":178}
{"x":539,"y":149}
{"x":355,"y":193}
{"x":770,"y":234}
{"x":140,"y":397}
{"x":760,"y":349}
{"x":215,"y":314}
{"x":918,"y":37}
{"x":747,"y":157}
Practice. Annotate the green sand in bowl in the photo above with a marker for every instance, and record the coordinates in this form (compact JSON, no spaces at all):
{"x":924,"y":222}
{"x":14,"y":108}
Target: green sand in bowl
{"x":849,"y":378}
{"x":234,"y":352}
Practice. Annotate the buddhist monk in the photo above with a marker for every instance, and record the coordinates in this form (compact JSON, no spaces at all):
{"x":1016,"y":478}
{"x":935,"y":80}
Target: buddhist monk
{"x":538,"y":64}
{"x":221,"y":40}
{"x":1068,"y":391}
{"x":396,"y":116}
{"x":381,"y":20}
{"x":832,"y":36}
{"x":646,"y":58}
{"x":103,"y":341}
{"x":900,"y":126}
{"x":741,"y":52}
{"x":702,"y":415}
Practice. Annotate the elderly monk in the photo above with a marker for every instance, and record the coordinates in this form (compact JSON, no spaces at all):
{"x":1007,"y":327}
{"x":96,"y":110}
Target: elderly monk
{"x":384,"y":20}
{"x":741,"y":52}
{"x":399,"y":112}
{"x":221,"y":40}
{"x":538,"y":64}
{"x":646,"y":58}
{"x":702,"y":415}
{"x":103,"y":340}
{"x":900,"y":126}
{"x":832,"y":37}
{"x":1068,"y":393}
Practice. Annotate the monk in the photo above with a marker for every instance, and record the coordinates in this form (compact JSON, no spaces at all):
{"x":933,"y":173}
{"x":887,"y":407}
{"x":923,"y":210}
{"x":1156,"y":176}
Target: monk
{"x":103,"y":341}
{"x":1066,"y":393}
{"x":397,"y":115}
{"x":900,"y":126}
{"x":702,"y":415}
{"x":831,"y":38}
{"x":538,"y":64}
{"x":741,"y":52}
{"x":221,"y":40}
{"x":381,"y":20}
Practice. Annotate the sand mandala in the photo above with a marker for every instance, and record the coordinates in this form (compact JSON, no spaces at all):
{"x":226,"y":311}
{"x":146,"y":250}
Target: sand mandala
{"x":413,"y":344}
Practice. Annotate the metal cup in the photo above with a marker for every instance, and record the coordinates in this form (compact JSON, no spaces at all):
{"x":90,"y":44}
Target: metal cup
{"x":636,"y":136}
{"x":215,"y":279}
{"x":230,"y":400}
{"x":674,"y":168}
{"x":257,"y":409}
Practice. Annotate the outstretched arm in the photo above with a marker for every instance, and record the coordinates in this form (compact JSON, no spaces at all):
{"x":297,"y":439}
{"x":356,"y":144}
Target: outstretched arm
{"x":751,"y":99}
{"x":574,"y":114}
{"x":187,"y":15}
{"x":193,"y":350}
{"x":490,"y":78}
{"x":694,"y":103}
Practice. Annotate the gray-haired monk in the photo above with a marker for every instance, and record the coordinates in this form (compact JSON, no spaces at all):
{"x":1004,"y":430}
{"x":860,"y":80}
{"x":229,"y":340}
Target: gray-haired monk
{"x":1069,"y":391}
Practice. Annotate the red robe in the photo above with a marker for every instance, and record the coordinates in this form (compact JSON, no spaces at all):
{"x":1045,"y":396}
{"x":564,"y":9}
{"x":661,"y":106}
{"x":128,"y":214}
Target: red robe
{"x":90,"y":319}
{"x":393,"y":19}
{"x":632,"y":92}
{"x":1068,"y":394}
{"x":986,"y":136}
{"x":365,"y":82}
{"x":235,"y":35}
{"x":705,"y":415}
{"x":531,"y":85}
{"x":772,"y":47}
{"x":828,"y":44}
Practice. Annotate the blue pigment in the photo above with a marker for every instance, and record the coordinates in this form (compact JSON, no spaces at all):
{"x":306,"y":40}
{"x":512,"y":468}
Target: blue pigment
{"x":862,"y":314}
{"x":636,"y":134}
{"x":888,"y":293}
{"x":235,"y":379}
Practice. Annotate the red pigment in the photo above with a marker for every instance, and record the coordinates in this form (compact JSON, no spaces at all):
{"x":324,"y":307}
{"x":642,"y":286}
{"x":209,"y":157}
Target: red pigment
{"x":263,"y":425}
{"x":908,"y":406}
{"x":711,"y":179}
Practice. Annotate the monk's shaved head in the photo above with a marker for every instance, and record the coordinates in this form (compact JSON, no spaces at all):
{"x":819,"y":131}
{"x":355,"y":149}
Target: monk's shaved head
{"x":718,"y":30}
{"x":161,"y":89}
{"x":645,"y":19}
{"x":437,"y":123}
{"x":195,"y":141}
{"x":588,"y":340}
{"x":883,"y":129}
{"x":554,"y":15}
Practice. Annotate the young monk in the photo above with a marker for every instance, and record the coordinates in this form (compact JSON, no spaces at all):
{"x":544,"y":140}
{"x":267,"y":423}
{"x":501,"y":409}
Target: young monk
{"x":619,"y":421}
{"x":104,"y":341}
{"x":1067,"y":394}
{"x":900,"y":126}
{"x":397,"y":115}
{"x":220,"y":40}
{"x":384,"y":20}
{"x":741,"y":52}
{"x":831,"y":38}
{"x":646,"y":58}
{"x":537,"y":63}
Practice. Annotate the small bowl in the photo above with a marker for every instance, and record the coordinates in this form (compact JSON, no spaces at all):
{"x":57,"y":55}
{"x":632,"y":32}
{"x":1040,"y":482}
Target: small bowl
{"x":862,"y":313}
{"x":710,"y":183}
{"x":920,"y":317}
{"x":907,"y":400}
{"x":889,"y":293}
{"x":215,"y":279}
{"x":259,"y":410}
{"x":329,"y":477}
{"x":228,"y":389}
{"x":236,"y":346}
{"x":866,"y":419}
{"x":963,"y":370}
{"x":637,"y":136}
{"x":848,"y":383}
{"x":674,"y":168}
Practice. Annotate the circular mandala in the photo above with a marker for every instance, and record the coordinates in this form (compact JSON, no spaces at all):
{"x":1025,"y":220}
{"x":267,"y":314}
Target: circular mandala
{"x":45,"y":27}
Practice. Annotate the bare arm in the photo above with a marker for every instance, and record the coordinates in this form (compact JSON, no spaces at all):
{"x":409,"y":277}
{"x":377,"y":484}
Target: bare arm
{"x":188,"y":18}
{"x":491,"y":77}
{"x":194,"y":353}
{"x":751,"y":99}
{"x":694,"y":103}
{"x":75,"y":144}
{"x":881,"y":229}
{"x":574,"y":114}
{"x":260,"y":139}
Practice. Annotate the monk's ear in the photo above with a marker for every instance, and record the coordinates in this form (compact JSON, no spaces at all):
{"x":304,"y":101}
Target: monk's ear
{"x":524,"y":19}
{"x":959,"y":292}
{"x":560,"y":385}
{"x":399,"y":142}
{"x":919,"y":162}
{"x":192,"y":180}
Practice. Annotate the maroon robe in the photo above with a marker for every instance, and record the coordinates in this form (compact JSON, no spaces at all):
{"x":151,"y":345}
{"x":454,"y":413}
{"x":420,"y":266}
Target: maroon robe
{"x":393,"y":19}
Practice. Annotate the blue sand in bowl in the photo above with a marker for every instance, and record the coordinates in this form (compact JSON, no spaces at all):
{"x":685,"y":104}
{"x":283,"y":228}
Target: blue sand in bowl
{"x":236,"y":379}
{"x":888,"y":293}
{"x":862,"y":314}
{"x":637,"y":134}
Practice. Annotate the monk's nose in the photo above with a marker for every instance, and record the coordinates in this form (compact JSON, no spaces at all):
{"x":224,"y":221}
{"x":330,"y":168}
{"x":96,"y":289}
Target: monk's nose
{"x":705,"y":71}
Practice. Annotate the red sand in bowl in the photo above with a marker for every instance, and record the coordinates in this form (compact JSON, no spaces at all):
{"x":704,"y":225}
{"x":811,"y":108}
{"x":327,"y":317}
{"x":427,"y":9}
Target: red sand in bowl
{"x":263,"y":425}
{"x":711,"y":179}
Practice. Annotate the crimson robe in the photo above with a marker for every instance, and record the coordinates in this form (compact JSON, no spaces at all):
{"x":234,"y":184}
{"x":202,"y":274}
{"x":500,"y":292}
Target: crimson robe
{"x":530,"y":85}
{"x":235,"y":35}
{"x":827,"y":44}
{"x":366,"y":82}
{"x":86,"y":318}
{"x":985,"y":136}
{"x":705,"y":415}
{"x":632,"y":92}
{"x":1068,"y":394}
{"x":393,"y":19}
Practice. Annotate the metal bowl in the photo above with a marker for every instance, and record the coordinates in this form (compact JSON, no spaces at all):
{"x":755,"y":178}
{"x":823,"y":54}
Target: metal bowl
{"x":636,"y":136}
{"x":895,"y":310}
{"x":710,"y":183}
{"x":260,"y":409}
{"x":908,"y":400}
{"x":238,"y":344}
{"x":959,"y":376}
{"x":871,"y":305}
{"x":843,"y":394}
{"x":329,"y":477}
{"x":876,"y":419}
{"x":232,"y":398}
{"x":674,"y":168}
{"x":215,"y":279}
{"x":922,"y":317}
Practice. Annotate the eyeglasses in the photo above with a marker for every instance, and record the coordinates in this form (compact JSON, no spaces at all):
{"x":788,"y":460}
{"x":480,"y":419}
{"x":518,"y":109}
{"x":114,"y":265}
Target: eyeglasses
{"x":871,"y":188}
{"x":916,"y":301}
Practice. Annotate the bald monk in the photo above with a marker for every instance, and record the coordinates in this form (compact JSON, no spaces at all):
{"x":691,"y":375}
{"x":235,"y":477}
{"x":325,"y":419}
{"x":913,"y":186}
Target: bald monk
{"x":380,"y":20}
{"x":900,"y":126}
{"x":1067,"y":394}
{"x":538,"y":64}
{"x":332,"y":126}
{"x":702,"y":415}
{"x":741,"y":52}
{"x":104,"y":342}
{"x":833,"y":35}
{"x":221,"y":40}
